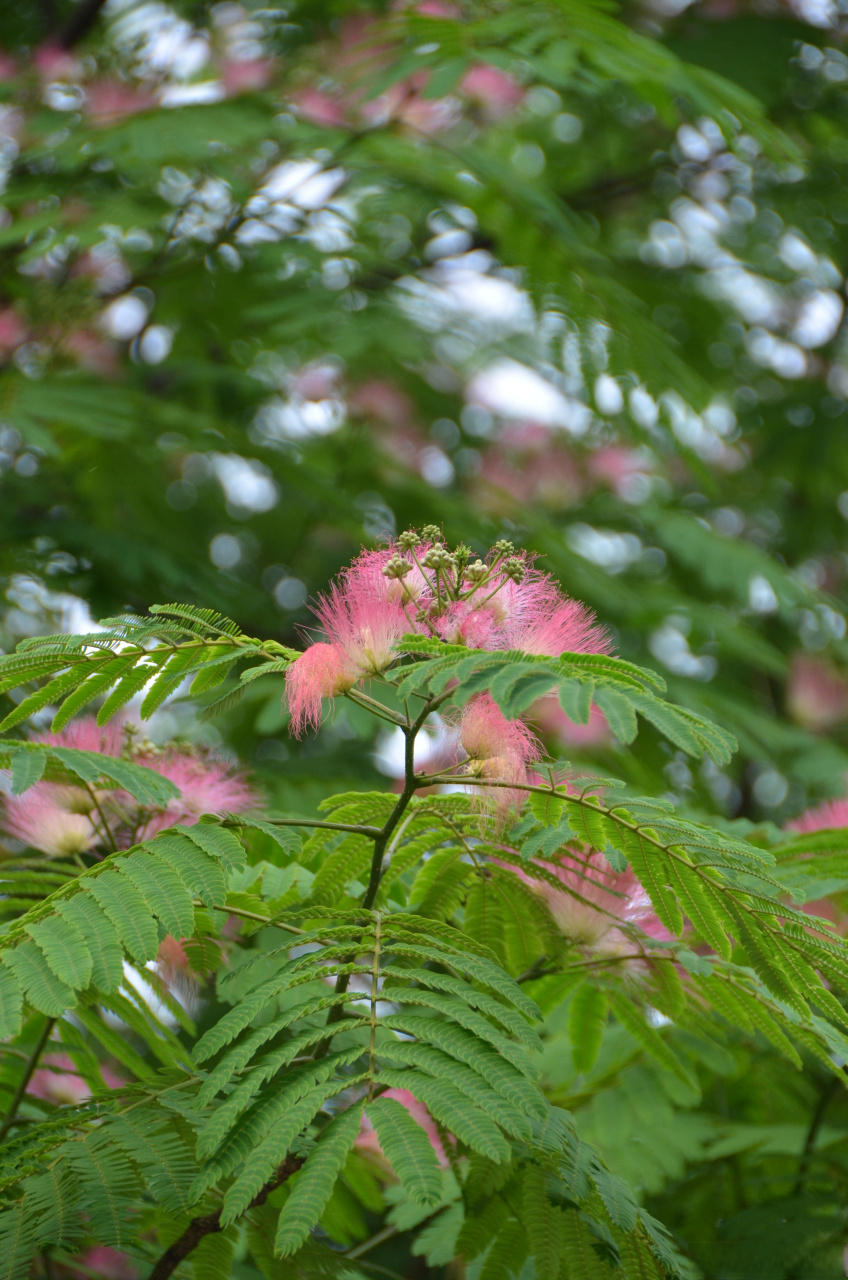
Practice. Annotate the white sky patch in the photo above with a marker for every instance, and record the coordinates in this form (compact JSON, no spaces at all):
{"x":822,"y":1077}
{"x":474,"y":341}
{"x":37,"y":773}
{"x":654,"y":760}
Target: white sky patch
{"x":513,"y":390}
{"x":819,"y":319}
{"x":610,"y":550}
{"x":434,"y":741}
{"x":248,"y":484}
{"x":125,"y":317}
{"x":670,"y":646}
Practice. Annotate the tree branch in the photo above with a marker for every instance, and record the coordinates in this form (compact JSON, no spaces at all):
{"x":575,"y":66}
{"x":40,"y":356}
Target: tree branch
{"x":816,"y":1122}
{"x":209,"y":1223}
{"x":80,"y":23}
{"x":9,"y":1118}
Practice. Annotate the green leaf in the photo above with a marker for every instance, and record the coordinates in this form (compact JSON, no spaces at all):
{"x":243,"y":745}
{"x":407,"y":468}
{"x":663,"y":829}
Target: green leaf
{"x":217,"y":842}
{"x":200,"y":873}
{"x":587,"y":1019}
{"x":162,"y":889}
{"x":42,"y":988}
{"x":101,"y":939}
{"x":408,"y":1150}
{"x":65,"y":950}
{"x":450,"y":1107}
{"x":27,"y":769}
{"x":575,"y":698}
{"x":618,"y":709}
{"x":315,"y":1182}
{"x":10,"y":1002}
{"x":129,"y":913}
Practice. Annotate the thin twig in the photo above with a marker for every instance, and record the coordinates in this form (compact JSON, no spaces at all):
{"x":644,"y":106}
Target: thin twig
{"x":825,"y":1098}
{"x":108,"y":833}
{"x":9,"y":1118}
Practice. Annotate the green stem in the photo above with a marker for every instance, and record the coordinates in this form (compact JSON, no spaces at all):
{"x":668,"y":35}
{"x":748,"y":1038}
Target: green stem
{"x":32,"y":1063}
{"x":356,"y":828}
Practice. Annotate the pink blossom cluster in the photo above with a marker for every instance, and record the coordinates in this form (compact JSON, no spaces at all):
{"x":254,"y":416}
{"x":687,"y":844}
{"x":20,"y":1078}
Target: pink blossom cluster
{"x":415,"y":585}
{"x":595,"y":900}
{"x":56,"y":1080}
{"x":823,"y":817}
{"x":62,"y":820}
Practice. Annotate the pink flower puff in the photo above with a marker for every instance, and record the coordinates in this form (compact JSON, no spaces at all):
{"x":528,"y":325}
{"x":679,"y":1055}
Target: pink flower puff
{"x":502,"y":602}
{"x":607,"y":898}
{"x":63,"y":820}
{"x":498,"y":750}
{"x":56,"y":1081}
{"x":831,"y":814}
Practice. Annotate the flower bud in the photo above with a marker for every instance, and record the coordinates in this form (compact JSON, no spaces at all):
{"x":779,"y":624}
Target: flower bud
{"x":408,"y":540}
{"x":476,"y":572}
{"x":432,"y":533}
{"x":397,"y":567}
{"x":514,"y":568}
{"x":503,"y":547}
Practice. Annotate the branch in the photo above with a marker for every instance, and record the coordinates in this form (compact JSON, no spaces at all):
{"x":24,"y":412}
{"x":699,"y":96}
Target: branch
{"x":9,"y":1118}
{"x":357,"y":828}
{"x":808,"y":1152}
{"x":80,"y":23}
{"x":208,"y":1224}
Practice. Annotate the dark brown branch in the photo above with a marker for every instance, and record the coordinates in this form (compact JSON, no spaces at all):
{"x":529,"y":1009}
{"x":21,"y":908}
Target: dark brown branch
{"x":825,"y":1098}
{"x":30,"y":1067}
{"x":209,"y":1223}
{"x":80,"y":23}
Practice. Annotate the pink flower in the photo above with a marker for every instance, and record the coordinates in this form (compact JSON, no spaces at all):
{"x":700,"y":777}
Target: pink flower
{"x":319,"y":108}
{"x":497,"y":749}
{"x":86,"y":734}
{"x":551,"y":718}
{"x":60,"y":820}
{"x":13,"y":331}
{"x":495,"y":91}
{"x":606,"y":898}
{"x":566,"y":626}
{"x":833,"y":813}
{"x":816,"y":695}
{"x":61,"y":1085}
{"x":36,"y":820}
{"x":52,"y":62}
{"x":368,"y":1139}
{"x":104,"y":1261}
{"x":111,"y":100}
{"x":206,"y":785}
{"x":362,"y":621}
{"x":322,"y":671}
{"x":463,"y":624}
{"x":246,"y":75}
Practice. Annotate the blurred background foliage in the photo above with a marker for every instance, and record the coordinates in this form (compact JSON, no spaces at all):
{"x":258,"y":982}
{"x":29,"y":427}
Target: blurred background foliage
{"x":280,"y":280}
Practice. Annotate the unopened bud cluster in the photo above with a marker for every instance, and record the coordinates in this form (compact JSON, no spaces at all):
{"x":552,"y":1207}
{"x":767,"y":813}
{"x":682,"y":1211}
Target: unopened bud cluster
{"x":451,"y":576}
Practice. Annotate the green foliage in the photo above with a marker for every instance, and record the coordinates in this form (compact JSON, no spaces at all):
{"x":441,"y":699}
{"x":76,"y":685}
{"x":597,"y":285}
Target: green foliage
{"x":334,"y":275}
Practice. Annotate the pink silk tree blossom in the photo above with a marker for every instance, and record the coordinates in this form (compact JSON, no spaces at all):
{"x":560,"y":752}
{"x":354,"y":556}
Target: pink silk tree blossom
{"x":36,"y":820}
{"x":322,"y":671}
{"x":207,"y":785}
{"x":831,"y":814}
{"x":61,"y":820}
{"x":498,"y":750}
{"x":600,"y":899}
